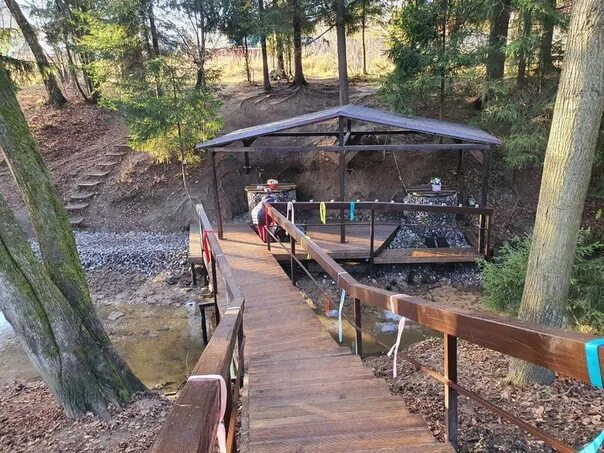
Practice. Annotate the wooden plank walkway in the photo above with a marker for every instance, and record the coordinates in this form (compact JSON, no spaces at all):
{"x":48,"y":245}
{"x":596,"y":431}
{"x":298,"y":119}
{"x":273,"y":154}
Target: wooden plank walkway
{"x":355,"y":247}
{"x":306,"y":393}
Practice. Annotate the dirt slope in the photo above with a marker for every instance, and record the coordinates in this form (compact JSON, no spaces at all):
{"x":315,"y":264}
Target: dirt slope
{"x":140,"y":195}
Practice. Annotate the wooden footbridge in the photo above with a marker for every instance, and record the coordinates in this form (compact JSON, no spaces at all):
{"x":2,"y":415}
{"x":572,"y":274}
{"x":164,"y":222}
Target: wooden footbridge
{"x":302,"y":391}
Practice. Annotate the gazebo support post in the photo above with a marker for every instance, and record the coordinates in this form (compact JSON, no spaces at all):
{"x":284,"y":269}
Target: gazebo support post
{"x":216,"y":195}
{"x":246,"y":162}
{"x":342,"y":177}
{"x":246,"y":156}
{"x":459,"y":159}
{"x":486,"y":165}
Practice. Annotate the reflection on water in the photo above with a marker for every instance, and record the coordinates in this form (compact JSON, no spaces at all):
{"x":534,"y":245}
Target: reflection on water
{"x":14,"y":364}
{"x":161,"y":344}
{"x":382,"y":326}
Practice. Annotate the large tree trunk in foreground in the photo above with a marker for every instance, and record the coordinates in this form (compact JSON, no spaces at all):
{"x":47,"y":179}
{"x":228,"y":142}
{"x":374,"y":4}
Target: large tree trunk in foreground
{"x":566,"y":173}
{"x":49,"y":304}
{"x":299,"y":79}
{"x":498,"y":37}
{"x":55,"y":95}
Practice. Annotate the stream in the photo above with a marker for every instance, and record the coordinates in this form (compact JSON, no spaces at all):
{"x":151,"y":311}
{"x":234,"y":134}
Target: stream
{"x":160,"y":343}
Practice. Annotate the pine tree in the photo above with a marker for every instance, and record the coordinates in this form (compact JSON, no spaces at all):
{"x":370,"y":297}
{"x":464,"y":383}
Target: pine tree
{"x":55,"y":95}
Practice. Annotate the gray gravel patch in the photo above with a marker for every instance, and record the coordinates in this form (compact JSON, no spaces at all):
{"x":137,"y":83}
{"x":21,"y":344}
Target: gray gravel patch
{"x":148,"y":253}
{"x":414,"y":236}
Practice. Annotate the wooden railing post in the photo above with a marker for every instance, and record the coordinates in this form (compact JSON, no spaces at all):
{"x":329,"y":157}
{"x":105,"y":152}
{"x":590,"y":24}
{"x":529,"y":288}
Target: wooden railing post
{"x":451,"y":417}
{"x":292,"y":261}
{"x":480,"y":235}
{"x":358,"y":333}
{"x":487,"y":236}
{"x":230,"y":416}
{"x":268,"y":238}
{"x":371,"y":241}
{"x":215,"y":290}
{"x":240,"y":351}
{"x":204,"y":326}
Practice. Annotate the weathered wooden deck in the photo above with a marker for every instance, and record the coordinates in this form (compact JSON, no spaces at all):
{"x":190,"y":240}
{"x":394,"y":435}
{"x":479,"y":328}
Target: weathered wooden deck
{"x":306,"y":393}
{"x":355,"y":247}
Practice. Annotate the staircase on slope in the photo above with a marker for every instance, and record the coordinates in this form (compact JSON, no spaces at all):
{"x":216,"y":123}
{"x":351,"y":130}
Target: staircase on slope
{"x":88,"y":188}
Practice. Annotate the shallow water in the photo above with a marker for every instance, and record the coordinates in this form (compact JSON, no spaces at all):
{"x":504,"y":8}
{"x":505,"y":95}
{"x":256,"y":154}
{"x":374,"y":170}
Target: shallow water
{"x":160,"y":343}
{"x":380,"y":327}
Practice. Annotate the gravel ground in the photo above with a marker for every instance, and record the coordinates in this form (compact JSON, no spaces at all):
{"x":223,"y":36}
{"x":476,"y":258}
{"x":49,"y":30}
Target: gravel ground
{"x":413,"y":236}
{"x":148,"y":253}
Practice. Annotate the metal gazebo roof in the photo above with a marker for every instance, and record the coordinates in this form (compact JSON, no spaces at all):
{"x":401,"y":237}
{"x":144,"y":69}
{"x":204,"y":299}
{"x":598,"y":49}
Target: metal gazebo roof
{"x":465,"y":138}
{"x":457,"y":132}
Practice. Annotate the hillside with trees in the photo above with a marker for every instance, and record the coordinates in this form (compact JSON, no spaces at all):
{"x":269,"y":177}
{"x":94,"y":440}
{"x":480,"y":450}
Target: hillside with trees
{"x":102,"y":104}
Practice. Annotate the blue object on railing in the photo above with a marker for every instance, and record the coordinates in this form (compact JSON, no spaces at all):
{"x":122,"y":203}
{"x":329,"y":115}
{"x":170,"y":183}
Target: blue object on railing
{"x":593,"y":362}
{"x":342,"y":298}
{"x":352,"y":206}
{"x":594,"y":445}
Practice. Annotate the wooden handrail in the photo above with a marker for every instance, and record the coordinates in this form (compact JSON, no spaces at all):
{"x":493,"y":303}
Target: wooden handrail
{"x":191,"y":427}
{"x":560,"y":350}
{"x":193,"y":423}
{"x":233,"y":289}
{"x":387,"y":206}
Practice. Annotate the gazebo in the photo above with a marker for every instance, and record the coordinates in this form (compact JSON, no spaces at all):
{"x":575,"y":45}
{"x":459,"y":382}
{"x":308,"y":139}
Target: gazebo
{"x":439,"y":136}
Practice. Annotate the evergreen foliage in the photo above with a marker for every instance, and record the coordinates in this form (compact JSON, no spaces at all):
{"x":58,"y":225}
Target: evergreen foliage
{"x":168,"y":126}
{"x":167,"y":112}
{"x":432,"y":45}
{"x":522,"y":118}
{"x":503,"y":281}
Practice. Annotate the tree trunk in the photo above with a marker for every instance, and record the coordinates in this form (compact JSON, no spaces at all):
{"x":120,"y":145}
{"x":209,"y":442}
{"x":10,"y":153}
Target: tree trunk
{"x":201,"y":50}
{"x":546,"y":65}
{"x":280,"y":59}
{"x":527,"y":23}
{"x":566,"y":173}
{"x":266,"y":80}
{"x":342,"y":60}
{"x":443,"y":69}
{"x":498,"y":38}
{"x":55,"y":95}
{"x":299,"y":79}
{"x":363,"y":44}
{"x":246,"y":56}
{"x":49,"y":303}
{"x":155,"y":53}
{"x":289,"y":56}
{"x":153,"y":30}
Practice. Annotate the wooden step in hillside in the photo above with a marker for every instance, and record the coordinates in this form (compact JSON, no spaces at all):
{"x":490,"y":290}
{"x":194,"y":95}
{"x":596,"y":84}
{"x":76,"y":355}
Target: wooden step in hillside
{"x":88,"y":184}
{"x":118,"y":151}
{"x":115,"y":153}
{"x":107,"y":164}
{"x":82,"y":196}
{"x":76,"y":221}
{"x":97,"y":174}
{"x":76,"y":206}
